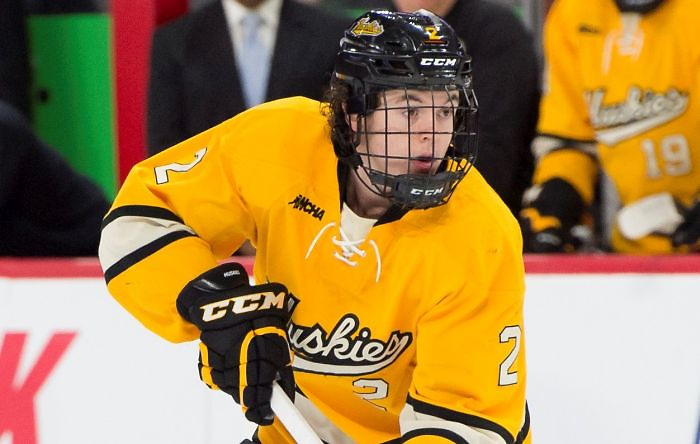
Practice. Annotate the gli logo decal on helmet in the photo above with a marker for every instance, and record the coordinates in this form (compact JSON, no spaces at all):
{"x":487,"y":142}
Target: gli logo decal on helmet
{"x":365,"y":27}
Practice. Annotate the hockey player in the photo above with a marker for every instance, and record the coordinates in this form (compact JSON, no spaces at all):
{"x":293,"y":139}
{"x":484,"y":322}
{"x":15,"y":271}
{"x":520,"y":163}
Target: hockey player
{"x":621,"y":98}
{"x":395,"y":278}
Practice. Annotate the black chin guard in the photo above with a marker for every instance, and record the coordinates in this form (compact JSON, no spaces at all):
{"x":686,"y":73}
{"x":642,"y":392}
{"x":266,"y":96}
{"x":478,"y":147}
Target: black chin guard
{"x":639,"y":6}
{"x":418,"y":191}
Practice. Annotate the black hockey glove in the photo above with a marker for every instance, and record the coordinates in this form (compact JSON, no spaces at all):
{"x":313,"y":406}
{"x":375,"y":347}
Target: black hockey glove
{"x":548,"y":217}
{"x":243,"y":346}
{"x":688,"y":232}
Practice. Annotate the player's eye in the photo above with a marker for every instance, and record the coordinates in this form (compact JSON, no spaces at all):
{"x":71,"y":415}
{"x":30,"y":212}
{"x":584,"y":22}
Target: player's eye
{"x":446,"y":112}
{"x":410,"y":112}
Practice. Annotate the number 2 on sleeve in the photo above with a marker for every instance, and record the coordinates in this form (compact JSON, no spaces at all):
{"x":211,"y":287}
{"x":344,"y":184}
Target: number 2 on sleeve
{"x":162,"y":171}
{"x":506,"y":377}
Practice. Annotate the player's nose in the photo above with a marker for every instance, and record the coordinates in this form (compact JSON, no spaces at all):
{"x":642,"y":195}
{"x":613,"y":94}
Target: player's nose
{"x":423,"y":129}
{"x":425,"y":136}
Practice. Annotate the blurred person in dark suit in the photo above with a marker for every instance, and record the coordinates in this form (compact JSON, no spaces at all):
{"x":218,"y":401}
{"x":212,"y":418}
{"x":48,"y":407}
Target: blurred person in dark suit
{"x":199,"y":67}
{"x":506,"y":81}
{"x":46,"y":207}
{"x":65,"y":7}
{"x":15,"y":73}
{"x":14,"y":59}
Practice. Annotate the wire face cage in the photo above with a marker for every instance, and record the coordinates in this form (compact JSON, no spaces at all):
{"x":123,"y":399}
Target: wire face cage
{"x":417,"y":144}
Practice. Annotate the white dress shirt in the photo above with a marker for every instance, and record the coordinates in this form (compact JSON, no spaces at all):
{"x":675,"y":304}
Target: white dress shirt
{"x":269,"y":10}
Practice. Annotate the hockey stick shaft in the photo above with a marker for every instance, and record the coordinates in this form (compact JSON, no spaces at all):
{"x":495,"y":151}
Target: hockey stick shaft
{"x":291,"y":418}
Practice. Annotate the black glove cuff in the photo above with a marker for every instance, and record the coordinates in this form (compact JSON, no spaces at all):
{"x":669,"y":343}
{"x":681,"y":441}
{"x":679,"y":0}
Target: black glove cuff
{"x":560,"y":199}
{"x":688,"y":232}
{"x":223,"y":277}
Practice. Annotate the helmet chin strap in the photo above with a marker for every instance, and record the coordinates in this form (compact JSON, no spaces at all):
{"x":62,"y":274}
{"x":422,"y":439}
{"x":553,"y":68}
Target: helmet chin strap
{"x":639,"y":6}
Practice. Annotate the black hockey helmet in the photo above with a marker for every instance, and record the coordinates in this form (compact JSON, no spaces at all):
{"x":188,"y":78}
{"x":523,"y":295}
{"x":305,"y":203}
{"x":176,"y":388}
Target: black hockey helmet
{"x":385,"y":50}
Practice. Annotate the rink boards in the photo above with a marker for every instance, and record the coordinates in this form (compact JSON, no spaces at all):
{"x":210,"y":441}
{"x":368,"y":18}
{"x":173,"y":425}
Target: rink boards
{"x":613,"y":349}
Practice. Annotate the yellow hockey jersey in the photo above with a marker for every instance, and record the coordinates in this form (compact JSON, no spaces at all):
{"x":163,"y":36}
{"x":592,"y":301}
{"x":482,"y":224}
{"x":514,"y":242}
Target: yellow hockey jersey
{"x":622,"y":92}
{"x":419,"y":335}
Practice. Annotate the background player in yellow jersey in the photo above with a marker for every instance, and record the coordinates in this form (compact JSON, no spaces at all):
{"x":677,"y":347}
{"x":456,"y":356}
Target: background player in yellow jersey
{"x":395,"y":278}
{"x":622,"y":97}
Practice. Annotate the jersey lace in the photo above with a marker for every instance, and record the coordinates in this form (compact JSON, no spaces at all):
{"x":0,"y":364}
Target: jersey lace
{"x":351,"y":235}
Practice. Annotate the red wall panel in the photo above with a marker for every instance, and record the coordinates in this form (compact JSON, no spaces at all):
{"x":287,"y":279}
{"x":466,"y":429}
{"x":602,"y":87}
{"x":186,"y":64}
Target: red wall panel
{"x":134,"y":22}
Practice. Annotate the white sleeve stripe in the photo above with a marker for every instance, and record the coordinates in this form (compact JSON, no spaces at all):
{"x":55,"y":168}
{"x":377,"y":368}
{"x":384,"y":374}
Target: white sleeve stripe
{"x":142,"y":253}
{"x":126,"y":234}
{"x":460,"y":417}
{"x":544,"y":144}
{"x":413,"y":423}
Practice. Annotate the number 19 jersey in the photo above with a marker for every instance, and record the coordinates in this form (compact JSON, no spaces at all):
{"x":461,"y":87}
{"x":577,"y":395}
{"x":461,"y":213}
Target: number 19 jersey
{"x":622,"y":89}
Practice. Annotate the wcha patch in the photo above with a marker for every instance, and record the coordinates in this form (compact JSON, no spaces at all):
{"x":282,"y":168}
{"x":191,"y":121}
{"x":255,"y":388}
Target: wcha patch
{"x":302,"y":203}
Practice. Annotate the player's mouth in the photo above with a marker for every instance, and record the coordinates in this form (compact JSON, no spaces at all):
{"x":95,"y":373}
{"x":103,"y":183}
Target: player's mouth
{"x":422,"y":164}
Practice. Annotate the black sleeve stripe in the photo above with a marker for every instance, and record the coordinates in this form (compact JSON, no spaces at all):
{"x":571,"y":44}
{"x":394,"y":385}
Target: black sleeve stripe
{"x":141,"y":210}
{"x":143,"y":252}
{"x":393,"y":441}
{"x":522,"y":434}
{"x":447,"y":434}
{"x":463,"y":418}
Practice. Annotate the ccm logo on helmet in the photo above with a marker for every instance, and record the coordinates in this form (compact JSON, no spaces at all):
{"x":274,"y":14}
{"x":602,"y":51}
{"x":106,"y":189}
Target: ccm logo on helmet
{"x":438,"y":61}
{"x":242,"y":304}
{"x":424,"y":192}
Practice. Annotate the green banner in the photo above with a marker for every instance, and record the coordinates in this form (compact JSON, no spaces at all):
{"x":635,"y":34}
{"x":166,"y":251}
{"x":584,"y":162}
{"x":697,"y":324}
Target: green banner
{"x":71,"y":91}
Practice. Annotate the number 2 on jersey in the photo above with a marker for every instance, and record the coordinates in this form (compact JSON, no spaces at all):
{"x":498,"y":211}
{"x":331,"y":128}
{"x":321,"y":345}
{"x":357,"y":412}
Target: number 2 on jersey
{"x":371,"y":390}
{"x":162,"y":171}
{"x":505,"y":376}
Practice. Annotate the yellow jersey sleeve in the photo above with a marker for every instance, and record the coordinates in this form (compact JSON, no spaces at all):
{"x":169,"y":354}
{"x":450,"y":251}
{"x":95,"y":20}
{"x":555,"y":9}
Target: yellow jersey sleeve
{"x":176,"y":215}
{"x":565,"y":144}
{"x":563,"y":110}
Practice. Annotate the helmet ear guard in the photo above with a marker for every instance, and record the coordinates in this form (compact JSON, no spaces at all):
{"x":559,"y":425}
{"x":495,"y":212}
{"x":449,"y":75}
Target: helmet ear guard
{"x":383,"y":51}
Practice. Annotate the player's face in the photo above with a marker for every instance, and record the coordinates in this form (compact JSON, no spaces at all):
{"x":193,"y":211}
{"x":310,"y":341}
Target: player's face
{"x":409,"y":132}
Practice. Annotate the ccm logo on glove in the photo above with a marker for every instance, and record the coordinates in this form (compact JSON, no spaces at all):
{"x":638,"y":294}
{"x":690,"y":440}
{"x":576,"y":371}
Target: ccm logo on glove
{"x":243,"y":304}
{"x":243,"y":346}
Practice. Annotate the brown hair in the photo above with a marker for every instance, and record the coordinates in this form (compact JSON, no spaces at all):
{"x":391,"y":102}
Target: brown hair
{"x":335,"y":101}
